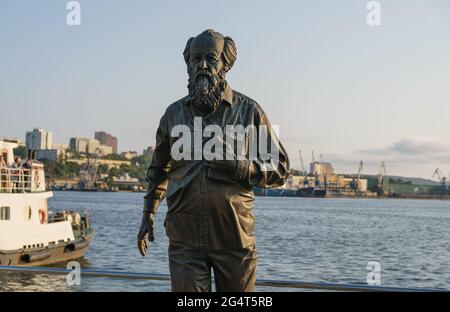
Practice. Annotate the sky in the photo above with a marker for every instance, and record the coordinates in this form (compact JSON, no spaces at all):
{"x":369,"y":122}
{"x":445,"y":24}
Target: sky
{"x":331,"y":82}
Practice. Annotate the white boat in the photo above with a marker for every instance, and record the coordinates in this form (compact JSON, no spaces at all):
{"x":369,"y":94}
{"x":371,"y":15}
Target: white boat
{"x":31,"y":235}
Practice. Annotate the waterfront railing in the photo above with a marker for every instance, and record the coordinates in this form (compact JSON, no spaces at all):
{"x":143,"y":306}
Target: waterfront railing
{"x":259,"y":282}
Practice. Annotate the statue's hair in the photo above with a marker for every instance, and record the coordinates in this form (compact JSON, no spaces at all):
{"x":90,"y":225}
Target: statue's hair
{"x":229,"y":52}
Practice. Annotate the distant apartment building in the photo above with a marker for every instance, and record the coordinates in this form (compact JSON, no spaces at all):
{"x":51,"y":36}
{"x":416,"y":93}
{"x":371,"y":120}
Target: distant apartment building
{"x":61,"y":149}
{"x":41,"y":143}
{"x":107,"y":139}
{"x":38,"y":139}
{"x":83,"y":145}
{"x":104,"y":149}
{"x":129,"y":155}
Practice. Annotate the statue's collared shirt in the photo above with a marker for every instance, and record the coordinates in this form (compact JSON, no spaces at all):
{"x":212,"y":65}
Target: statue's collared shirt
{"x":208,"y":207}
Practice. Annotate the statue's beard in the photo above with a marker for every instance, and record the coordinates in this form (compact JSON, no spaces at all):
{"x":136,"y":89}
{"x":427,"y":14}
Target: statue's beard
{"x":206,"y":91}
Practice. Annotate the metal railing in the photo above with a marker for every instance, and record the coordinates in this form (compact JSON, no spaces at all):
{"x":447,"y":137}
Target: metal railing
{"x":16,"y":180}
{"x":259,"y":282}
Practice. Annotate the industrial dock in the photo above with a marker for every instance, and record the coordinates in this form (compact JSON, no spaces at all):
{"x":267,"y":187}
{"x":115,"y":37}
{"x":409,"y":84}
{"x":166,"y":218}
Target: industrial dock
{"x":322,"y":181}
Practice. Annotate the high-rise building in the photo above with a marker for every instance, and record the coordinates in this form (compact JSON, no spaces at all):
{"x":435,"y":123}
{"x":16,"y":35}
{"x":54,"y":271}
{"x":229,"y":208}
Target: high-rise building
{"x":93,"y":146}
{"x":107,"y":139}
{"x":38,"y":139}
{"x":83,"y":145}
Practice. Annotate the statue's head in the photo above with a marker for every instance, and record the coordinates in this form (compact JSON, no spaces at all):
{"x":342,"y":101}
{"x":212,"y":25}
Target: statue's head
{"x":209,"y":56}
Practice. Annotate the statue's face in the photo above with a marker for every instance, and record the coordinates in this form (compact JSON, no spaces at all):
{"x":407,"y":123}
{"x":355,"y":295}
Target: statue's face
{"x":205,"y":55}
{"x":206,"y":73}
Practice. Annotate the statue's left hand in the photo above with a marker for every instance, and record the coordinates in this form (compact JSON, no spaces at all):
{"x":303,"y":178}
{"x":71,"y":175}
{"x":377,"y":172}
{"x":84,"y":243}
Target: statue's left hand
{"x":146,"y":232}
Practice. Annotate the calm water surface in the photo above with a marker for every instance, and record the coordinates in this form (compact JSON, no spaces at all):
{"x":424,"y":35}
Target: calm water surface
{"x":314,"y":240}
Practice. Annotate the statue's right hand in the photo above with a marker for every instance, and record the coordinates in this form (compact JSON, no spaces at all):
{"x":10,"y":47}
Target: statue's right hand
{"x":146,"y":232}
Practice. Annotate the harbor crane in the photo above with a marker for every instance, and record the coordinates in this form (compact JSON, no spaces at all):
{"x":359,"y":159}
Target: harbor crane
{"x":88,"y":173}
{"x":380,"y":176}
{"x":302,"y":163}
{"x":305,"y":179}
{"x":442,"y":178}
{"x":355,"y":183}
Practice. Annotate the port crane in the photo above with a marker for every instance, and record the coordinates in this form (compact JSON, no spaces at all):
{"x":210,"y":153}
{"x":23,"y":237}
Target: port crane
{"x":88,"y":173}
{"x":305,"y":179}
{"x":355,"y":183}
{"x":442,"y":178}
{"x":302,"y":163}
{"x":380,"y":176}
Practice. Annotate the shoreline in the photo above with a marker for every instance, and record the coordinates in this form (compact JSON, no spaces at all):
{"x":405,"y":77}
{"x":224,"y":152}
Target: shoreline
{"x":405,"y":196}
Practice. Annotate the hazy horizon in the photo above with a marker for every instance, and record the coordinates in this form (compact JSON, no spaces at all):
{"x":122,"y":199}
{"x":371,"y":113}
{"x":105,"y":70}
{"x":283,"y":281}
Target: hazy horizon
{"x":331,"y":82}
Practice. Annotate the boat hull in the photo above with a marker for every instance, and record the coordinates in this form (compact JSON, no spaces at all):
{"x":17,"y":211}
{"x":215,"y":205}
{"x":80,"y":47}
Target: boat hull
{"x":46,"y":256}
